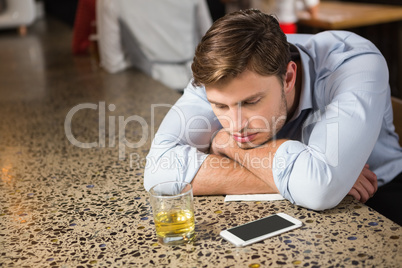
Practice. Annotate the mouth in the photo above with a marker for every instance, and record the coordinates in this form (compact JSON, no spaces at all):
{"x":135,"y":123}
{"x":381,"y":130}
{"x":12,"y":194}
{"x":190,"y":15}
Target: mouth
{"x":242,"y":138}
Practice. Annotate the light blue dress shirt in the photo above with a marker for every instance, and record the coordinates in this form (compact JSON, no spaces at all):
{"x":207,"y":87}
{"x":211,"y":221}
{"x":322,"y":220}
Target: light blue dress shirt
{"x":344,"y":120}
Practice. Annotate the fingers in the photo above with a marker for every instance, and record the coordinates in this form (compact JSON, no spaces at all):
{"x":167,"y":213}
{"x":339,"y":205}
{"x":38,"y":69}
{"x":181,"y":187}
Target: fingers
{"x":365,"y":186}
{"x":371,"y":177}
{"x":353,"y":192}
{"x":363,"y":192}
{"x":368,"y":186}
{"x":219,"y":142}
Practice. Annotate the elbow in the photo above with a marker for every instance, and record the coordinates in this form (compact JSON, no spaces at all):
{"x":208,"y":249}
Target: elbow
{"x":311,"y":181}
{"x":320,"y":203}
{"x":158,"y":169}
{"x":148,"y":180}
{"x":151,"y":174}
{"x":323,"y":193}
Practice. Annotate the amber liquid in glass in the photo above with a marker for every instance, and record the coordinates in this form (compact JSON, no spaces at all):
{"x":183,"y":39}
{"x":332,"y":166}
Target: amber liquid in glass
{"x":175,"y":226}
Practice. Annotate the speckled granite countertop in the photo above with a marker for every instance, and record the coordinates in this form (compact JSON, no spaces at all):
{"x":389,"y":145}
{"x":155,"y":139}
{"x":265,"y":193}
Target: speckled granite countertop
{"x":65,"y":206}
{"x":100,"y":216}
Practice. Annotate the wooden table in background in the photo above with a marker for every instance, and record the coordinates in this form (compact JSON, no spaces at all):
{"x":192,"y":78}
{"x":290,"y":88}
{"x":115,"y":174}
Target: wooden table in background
{"x":334,"y":15}
{"x":337,"y":15}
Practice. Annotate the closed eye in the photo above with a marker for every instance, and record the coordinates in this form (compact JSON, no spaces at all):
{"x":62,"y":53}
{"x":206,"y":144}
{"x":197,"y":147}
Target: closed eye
{"x":251,"y":102}
{"x":220,"y":106}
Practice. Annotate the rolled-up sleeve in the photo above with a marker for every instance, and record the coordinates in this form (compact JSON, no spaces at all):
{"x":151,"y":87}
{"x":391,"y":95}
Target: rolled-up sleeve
{"x":180,"y":146}
{"x":337,"y":139}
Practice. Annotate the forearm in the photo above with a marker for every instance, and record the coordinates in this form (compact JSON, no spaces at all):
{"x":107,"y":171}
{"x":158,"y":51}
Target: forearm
{"x":221,"y":175}
{"x":258,"y":161}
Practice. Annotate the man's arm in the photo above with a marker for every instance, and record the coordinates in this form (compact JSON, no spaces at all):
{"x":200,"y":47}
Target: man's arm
{"x":259,"y":162}
{"x":180,"y":146}
{"x":221,"y":175}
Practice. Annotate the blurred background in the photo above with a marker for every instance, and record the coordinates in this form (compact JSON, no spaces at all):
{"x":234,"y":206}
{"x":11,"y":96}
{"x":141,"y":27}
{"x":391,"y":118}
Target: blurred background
{"x":159,"y":37}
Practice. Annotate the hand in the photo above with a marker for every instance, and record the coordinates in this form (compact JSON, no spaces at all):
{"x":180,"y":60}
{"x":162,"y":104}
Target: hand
{"x":221,"y":143}
{"x":365,"y":185}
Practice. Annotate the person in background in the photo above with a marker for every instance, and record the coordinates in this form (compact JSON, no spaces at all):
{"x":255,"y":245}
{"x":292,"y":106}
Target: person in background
{"x":286,"y":11}
{"x":157,"y":37}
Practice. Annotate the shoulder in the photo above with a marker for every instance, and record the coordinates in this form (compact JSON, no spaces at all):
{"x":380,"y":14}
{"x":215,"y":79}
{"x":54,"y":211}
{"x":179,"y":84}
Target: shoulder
{"x":330,"y":49}
{"x":333,"y":41}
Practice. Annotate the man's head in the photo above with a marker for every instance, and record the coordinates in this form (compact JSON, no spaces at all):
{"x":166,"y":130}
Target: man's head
{"x":241,"y":40}
{"x":244,"y":63}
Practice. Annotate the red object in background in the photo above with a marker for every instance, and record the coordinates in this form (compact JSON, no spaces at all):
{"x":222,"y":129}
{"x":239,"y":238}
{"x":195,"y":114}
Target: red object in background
{"x":84,"y":26}
{"x":288,"y":28}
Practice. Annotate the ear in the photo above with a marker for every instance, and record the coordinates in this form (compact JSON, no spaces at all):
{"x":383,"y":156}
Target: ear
{"x":290,"y":77}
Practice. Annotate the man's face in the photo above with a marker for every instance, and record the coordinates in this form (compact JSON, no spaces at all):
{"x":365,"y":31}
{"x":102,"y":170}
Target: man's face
{"x":251,"y":108}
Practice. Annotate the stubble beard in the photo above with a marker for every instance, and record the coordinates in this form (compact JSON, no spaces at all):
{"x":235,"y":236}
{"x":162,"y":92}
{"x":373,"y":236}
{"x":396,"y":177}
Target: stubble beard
{"x":268,"y":135}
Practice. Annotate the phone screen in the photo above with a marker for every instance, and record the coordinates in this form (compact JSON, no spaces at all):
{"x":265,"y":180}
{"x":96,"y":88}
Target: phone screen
{"x":260,"y":227}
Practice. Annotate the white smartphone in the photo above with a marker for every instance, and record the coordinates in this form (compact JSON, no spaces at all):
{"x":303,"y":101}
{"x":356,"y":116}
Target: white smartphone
{"x":261,"y":229}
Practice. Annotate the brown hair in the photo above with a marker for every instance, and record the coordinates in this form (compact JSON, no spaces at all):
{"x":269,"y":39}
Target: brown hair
{"x":241,"y":40}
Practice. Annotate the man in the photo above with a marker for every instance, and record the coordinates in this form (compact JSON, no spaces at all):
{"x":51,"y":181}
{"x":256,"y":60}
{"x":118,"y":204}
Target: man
{"x":307,"y":116}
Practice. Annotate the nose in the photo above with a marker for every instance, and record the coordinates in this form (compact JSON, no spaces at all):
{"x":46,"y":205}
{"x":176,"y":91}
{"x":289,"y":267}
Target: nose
{"x":239,"y":119}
